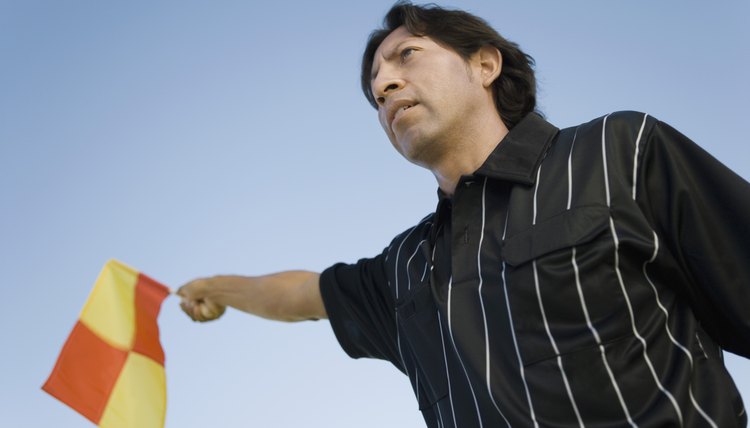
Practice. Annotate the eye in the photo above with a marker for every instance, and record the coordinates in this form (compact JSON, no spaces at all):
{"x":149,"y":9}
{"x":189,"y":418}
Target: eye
{"x":405,"y":53}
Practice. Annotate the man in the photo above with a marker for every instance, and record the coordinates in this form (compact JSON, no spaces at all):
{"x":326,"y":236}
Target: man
{"x":588,"y":276}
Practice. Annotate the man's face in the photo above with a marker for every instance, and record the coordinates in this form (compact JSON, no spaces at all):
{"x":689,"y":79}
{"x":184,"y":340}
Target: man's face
{"x":425,"y":92}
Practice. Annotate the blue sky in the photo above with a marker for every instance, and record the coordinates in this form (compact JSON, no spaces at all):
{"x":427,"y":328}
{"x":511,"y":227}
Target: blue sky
{"x":193,"y":138}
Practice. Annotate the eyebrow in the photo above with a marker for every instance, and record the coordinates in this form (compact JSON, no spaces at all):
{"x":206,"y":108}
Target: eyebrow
{"x":393,"y":52}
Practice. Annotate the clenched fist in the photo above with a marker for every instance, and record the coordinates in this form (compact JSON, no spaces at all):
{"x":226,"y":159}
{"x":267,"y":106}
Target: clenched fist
{"x":197,"y":301}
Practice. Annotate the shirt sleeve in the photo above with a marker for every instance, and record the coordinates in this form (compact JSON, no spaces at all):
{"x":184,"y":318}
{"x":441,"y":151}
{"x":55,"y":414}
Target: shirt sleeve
{"x":701,"y":210}
{"x":361,"y":309}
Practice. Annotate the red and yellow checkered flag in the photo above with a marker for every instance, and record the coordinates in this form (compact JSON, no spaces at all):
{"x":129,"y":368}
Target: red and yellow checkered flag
{"x":111,"y":368}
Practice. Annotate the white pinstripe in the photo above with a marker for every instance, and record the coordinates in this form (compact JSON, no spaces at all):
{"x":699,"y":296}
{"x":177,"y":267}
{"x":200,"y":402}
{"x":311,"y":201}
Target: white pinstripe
{"x":458,"y":354}
{"x":398,"y":335}
{"x":447,"y":373}
{"x":606,"y":187}
{"x":395,"y":273}
{"x":432,"y":258}
{"x":621,"y":281}
{"x":398,"y":253}
{"x":424,"y":273}
{"x":440,"y":414}
{"x":544,"y":316}
{"x":632,"y":322}
{"x":570,"y":169}
{"x":595,"y":333}
{"x":700,"y":344}
{"x":408,"y":277}
{"x":513,"y":334}
{"x":604,"y":158}
{"x":635,"y":156}
{"x":431,"y":264}
{"x":481,"y":302}
{"x":554,"y":346}
{"x":584,"y":307}
{"x":656,"y":292}
{"x":536,"y":190}
{"x":669,"y":333}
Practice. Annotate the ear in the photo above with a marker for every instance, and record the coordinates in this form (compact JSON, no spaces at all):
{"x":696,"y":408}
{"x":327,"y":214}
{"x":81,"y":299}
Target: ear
{"x":491,"y":63}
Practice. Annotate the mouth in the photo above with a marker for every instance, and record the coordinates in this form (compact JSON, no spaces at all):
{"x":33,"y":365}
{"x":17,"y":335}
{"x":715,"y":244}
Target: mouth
{"x":400,"y":111}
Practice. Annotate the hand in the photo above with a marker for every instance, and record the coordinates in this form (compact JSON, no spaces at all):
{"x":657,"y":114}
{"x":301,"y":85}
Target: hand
{"x":196,"y":301}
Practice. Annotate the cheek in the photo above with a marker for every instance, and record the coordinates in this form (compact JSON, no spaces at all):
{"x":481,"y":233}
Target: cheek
{"x":384,"y":123}
{"x":381,"y":119}
{"x":391,"y":137}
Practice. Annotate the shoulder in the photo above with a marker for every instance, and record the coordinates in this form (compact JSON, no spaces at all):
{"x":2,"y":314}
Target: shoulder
{"x":614,"y":127}
{"x":405,"y":244}
{"x":412,"y":236}
{"x":619,"y":119}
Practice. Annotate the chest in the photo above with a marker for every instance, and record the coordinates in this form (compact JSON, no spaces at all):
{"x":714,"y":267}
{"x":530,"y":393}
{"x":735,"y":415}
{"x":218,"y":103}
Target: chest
{"x":558,"y":258}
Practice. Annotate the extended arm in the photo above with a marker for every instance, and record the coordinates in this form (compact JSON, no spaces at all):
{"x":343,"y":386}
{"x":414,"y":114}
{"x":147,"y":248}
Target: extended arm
{"x":285,"y":296}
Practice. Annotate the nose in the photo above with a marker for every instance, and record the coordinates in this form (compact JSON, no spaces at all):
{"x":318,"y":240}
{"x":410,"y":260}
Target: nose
{"x":382,"y":86}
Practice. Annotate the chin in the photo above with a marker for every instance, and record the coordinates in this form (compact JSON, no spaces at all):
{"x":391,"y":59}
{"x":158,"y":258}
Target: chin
{"x":410,"y":143}
{"x":418,"y":154}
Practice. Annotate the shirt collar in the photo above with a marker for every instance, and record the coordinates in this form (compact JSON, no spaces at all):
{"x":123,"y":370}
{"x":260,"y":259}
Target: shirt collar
{"x":518,"y":156}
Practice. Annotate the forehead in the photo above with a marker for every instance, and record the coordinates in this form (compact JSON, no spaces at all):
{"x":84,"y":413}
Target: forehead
{"x":387,"y":47}
{"x":392,"y":40}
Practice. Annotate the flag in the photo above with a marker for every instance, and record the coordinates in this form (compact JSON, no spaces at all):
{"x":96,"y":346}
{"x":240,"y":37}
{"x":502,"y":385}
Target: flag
{"x":111,"y":368}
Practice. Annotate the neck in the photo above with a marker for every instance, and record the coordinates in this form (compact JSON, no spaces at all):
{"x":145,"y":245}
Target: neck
{"x":468,"y":153}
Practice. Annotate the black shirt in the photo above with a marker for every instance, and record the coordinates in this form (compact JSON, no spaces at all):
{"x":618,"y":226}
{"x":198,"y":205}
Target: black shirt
{"x":580,"y":277}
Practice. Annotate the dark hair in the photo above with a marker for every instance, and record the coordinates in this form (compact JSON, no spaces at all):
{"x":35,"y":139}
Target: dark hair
{"x":514,"y":90}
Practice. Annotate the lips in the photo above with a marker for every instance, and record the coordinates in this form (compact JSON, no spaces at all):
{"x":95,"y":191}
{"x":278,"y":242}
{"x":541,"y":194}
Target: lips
{"x":397,"y":108}
{"x":401,"y":110}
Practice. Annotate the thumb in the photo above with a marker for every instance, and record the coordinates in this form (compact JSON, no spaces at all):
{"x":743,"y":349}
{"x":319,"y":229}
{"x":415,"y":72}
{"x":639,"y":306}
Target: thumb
{"x":193,"y":290}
